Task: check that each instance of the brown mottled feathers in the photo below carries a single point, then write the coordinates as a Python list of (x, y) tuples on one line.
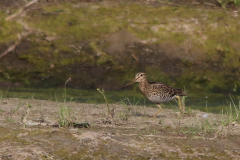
[(167, 89), (157, 92)]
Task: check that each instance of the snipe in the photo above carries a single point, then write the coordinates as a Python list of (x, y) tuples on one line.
[(157, 92)]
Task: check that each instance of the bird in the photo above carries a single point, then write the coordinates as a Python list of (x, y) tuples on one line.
[(157, 92)]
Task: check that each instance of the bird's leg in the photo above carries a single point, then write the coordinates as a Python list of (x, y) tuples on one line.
[(180, 104), (160, 108)]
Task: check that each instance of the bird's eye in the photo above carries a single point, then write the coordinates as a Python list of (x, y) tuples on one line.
[(141, 74)]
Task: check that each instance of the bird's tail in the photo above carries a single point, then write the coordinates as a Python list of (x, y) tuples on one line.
[(180, 92)]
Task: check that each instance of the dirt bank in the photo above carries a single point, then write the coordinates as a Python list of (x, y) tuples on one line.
[(104, 44)]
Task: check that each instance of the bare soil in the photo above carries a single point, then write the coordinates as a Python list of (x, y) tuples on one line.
[(131, 134)]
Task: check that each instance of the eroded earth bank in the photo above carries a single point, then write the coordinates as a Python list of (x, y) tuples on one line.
[(104, 44)]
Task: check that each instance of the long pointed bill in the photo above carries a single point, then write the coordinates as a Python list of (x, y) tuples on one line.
[(129, 83)]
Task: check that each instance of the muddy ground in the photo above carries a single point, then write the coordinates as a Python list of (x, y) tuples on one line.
[(131, 134)]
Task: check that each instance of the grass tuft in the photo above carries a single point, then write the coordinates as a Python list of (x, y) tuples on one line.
[(232, 113), (103, 94), (65, 113)]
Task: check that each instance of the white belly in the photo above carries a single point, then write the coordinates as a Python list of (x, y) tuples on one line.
[(156, 99)]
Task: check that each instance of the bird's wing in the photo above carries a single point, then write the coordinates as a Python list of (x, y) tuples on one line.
[(167, 89)]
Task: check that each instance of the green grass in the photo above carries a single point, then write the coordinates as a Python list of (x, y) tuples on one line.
[(65, 113), (105, 99), (232, 113), (213, 128), (197, 101), (131, 108), (13, 110), (65, 116)]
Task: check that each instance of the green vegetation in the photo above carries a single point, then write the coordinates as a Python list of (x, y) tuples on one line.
[(130, 109), (232, 112), (225, 2), (214, 128), (13, 111), (105, 99), (65, 113), (9, 30), (65, 116)]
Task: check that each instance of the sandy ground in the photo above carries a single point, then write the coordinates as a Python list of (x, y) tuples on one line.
[(131, 134)]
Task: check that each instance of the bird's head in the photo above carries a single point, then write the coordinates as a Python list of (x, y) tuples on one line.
[(138, 78)]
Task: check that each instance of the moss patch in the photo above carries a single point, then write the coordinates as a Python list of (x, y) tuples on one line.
[(8, 29)]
